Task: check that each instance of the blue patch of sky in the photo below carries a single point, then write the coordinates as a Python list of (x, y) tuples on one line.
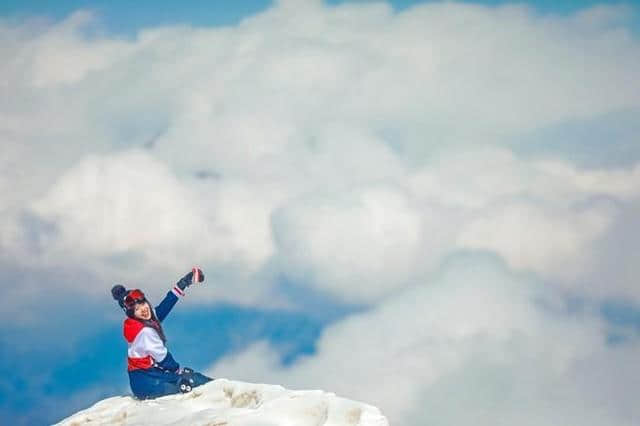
[(315, 303), (608, 140), (621, 317), (624, 318), (127, 17), (622, 313)]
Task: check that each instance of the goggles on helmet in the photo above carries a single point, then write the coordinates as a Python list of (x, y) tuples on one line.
[(134, 297)]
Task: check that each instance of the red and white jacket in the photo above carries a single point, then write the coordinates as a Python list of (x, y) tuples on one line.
[(145, 347)]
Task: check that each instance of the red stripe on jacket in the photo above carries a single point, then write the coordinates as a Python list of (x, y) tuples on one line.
[(139, 363)]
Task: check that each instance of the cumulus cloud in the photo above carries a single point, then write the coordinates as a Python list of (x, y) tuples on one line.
[(546, 240), (359, 248), (475, 344), (346, 145)]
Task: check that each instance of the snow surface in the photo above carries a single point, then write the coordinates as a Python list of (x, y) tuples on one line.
[(230, 403)]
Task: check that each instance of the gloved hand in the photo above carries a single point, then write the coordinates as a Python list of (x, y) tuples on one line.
[(189, 279), (184, 370)]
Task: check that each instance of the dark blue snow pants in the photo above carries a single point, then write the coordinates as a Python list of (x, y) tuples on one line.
[(154, 382)]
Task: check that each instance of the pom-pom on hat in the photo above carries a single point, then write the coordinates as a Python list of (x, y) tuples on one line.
[(119, 293)]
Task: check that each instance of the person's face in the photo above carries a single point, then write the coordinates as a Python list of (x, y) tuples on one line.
[(142, 311)]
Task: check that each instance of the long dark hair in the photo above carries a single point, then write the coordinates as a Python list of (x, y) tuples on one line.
[(155, 324)]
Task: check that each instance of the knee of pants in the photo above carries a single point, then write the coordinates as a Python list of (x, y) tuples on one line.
[(200, 379)]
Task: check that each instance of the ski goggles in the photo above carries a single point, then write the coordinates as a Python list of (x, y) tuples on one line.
[(134, 297)]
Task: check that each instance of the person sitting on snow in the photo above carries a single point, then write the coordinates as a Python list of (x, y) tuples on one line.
[(152, 370)]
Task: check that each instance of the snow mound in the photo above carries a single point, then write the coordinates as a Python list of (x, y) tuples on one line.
[(230, 403)]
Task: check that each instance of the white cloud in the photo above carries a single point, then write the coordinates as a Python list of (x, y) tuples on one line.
[(359, 247), (543, 216), (112, 204), (474, 345), (355, 134), (552, 242), (128, 211)]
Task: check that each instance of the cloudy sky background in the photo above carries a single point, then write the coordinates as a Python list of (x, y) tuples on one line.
[(430, 207)]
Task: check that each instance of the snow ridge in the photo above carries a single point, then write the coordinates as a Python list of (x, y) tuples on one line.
[(231, 403)]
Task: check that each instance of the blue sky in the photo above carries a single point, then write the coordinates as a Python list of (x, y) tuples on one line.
[(127, 17), (388, 164), (123, 17)]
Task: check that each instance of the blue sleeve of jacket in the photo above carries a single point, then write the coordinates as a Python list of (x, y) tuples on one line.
[(163, 309), (168, 363)]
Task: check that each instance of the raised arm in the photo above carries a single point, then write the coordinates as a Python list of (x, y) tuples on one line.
[(163, 309)]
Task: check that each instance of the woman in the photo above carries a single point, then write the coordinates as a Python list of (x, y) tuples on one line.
[(152, 370)]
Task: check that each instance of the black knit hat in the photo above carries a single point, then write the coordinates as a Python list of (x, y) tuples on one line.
[(119, 293)]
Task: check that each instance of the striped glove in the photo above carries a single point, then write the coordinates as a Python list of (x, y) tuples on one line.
[(195, 276)]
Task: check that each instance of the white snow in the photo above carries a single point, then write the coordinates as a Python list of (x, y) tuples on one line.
[(230, 403)]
